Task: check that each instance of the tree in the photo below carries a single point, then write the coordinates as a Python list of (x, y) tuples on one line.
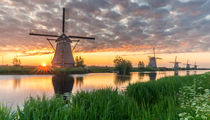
[(16, 61), (141, 64), (123, 66), (79, 61)]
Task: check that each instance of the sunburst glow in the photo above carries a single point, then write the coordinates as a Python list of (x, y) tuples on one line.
[(43, 64)]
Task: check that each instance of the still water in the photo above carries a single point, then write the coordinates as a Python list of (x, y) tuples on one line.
[(14, 89)]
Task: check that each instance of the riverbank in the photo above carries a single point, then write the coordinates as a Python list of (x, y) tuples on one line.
[(167, 98), (10, 70)]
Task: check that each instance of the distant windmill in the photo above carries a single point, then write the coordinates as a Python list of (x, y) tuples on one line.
[(152, 60), (63, 53), (176, 64), (195, 66), (187, 65)]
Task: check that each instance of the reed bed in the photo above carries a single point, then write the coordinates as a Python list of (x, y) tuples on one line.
[(160, 99)]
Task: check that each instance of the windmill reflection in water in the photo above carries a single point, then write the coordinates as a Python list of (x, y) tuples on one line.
[(151, 75)]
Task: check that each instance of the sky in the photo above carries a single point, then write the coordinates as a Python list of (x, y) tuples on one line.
[(128, 28)]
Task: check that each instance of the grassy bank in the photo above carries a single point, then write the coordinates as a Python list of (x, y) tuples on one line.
[(170, 98), (161, 99), (136, 69), (49, 70), (77, 70)]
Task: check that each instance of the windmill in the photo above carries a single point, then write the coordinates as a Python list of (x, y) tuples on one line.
[(187, 65), (176, 64), (195, 66), (152, 60), (63, 56)]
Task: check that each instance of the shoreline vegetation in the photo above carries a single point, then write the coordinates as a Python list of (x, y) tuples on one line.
[(169, 98), (10, 70)]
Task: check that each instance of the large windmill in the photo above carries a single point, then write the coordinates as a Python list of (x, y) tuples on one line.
[(176, 64), (63, 53), (187, 65), (152, 60)]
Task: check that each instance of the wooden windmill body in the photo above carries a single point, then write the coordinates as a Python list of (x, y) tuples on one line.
[(176, 64), (152, 60), (187, 65), (63, 56), (195, 66)]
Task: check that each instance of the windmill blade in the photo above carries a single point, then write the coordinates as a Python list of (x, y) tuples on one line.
[(80, 37), (187, 64), (154, 51), (43, 35), (63, 26), (74, 40), (158, 58), (51, 44), (175, 62), (75, 45), (51, 39)]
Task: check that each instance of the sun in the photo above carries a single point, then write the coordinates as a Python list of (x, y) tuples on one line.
[(43, 69), (43, 64)]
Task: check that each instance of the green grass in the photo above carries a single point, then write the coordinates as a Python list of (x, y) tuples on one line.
[(6, 113), (101, 104), (164, 99), (15, 70), (100, 69), (37, 70), (159, 99)]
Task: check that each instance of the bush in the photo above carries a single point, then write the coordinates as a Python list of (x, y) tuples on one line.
[(79, 62), (123, 66)]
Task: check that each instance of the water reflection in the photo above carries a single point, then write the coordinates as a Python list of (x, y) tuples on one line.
[(148, 76), (187, 72), (16, 82), (14, 89), (141, 76), (62, 84), (152, 76), (195, 72), (79, 81), (176, 73), (120, 79)]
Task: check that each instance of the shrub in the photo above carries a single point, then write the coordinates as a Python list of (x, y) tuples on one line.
[(123, 66), (79, 62)]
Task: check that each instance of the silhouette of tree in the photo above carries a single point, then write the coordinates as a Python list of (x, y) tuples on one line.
[(141, 64), (79, 61), (16, 61), (122, 66)]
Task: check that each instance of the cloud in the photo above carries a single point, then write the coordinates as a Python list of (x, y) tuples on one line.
[(35, 52), (118, 25)]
